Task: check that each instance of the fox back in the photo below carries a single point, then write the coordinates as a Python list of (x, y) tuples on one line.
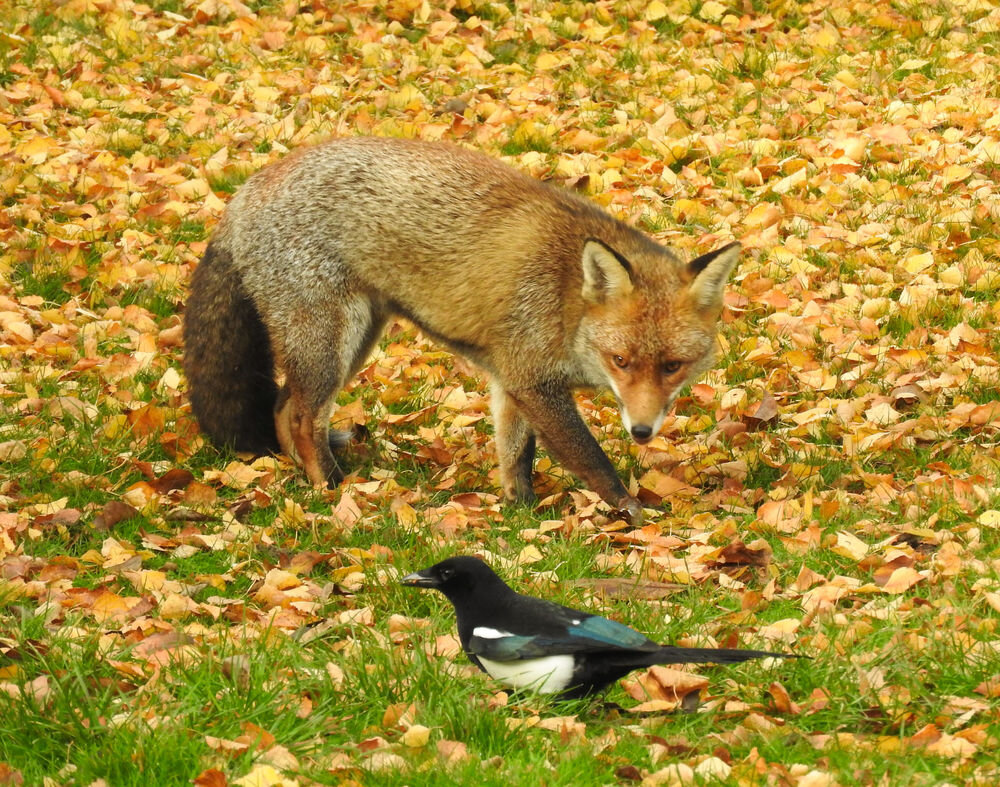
[(540, 287)]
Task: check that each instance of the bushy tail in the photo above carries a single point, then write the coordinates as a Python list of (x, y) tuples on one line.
[(227, 358), (668, 655)]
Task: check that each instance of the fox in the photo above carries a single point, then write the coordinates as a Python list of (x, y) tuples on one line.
[(537, 285)]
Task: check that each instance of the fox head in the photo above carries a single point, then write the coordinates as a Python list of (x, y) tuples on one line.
[(649, 326)]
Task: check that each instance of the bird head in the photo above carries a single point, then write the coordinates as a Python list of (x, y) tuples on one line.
[(456, 577)]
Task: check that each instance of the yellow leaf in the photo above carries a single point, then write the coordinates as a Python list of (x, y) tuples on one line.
[(407, 97), (108, 605), (882, 414), (990, 518), (416, 736), (952, 276), (177, 606), (195, 189), (826, 38), (14, 324), (281, 580), (655, 10), (850, 546), (712, 11), (913, 64), (547, 61), (763, 215), (847, 79), (918, 262), (789, 182), (955, 173), (530, 554), (265, 776), (689, 210)]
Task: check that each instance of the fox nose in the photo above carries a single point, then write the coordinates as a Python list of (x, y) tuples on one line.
[(641, 432)]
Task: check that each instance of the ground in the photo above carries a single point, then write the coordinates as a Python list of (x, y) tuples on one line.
[(172, 612)]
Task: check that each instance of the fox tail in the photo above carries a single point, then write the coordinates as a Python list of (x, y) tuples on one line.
[(228, 358)]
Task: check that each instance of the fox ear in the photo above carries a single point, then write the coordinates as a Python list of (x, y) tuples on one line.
[(606, 274), (710, 272)]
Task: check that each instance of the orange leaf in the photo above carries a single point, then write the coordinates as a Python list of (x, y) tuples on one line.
[(211, 778)]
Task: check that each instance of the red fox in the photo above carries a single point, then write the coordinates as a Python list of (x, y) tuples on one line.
[(539, 287)]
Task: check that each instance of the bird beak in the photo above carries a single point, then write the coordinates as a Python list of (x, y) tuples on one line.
[(419, 580)]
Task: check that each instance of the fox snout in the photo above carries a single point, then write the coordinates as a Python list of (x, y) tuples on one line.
[(645, 430), (642, 420), (641, 433)]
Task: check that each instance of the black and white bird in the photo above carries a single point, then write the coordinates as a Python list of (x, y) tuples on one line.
[(530, 643)]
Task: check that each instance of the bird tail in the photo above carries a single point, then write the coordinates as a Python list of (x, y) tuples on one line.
[(670, 655)]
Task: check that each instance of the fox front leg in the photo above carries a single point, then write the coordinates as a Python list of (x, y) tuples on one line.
[(552, 412), (515, 443)]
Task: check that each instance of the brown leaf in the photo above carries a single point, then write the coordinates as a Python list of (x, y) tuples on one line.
[(113, 512), (255, 737), (10, 776), (237, 668), (211, 778), (655, 485), (739, 554), (227, 747), (303, 562), (621, 588), (989, 687), (901, 580), (199, 494), (401, 714), (12, 450), (175, 478), (185, 514), (906, 396), (780, 699), (147, 420), (765, 412), (665, 683), (452, 751)]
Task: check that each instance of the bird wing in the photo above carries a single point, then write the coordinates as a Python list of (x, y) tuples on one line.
[(595, 630), (510, 647), (555, 630)]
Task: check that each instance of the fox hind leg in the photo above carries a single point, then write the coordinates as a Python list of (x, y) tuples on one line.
[(515, 441), (318, 358)]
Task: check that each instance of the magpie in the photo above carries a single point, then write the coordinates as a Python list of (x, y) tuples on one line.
[(531, 643)]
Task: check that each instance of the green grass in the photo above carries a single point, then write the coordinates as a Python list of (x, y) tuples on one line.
[(134, 674)]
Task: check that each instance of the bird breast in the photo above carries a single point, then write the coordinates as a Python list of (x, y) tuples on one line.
[(546, 675)]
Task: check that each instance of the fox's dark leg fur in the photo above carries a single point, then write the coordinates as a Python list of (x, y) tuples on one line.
[(552, 412), (515, 443), (227, 358)]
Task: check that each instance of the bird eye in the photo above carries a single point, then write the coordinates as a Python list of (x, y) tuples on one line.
[(670, 367), (620, 361), (446, 573)]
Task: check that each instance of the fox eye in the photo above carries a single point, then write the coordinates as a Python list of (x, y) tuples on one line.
[(620, 361), (672, 366)]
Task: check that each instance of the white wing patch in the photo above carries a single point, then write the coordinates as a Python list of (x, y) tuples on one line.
[(546, 675), (485, 632)]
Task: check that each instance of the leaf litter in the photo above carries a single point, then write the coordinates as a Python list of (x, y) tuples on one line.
[(831, 486)]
